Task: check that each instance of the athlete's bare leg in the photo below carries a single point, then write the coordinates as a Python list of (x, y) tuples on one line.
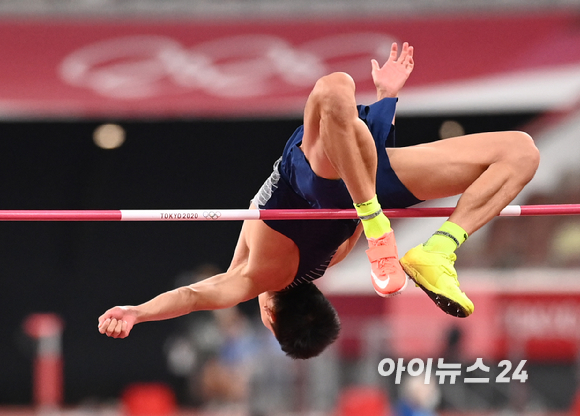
[(488, 169), (336, 142)]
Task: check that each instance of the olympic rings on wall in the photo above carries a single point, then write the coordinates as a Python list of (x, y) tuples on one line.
[(240, 66)]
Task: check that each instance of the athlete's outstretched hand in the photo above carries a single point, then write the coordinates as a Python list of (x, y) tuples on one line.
[(117, 322), (390, 78)]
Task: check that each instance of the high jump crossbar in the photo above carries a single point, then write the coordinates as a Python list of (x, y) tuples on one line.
[(262, 214)]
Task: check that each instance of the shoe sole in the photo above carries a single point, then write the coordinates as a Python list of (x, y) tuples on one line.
[(449, 306), (390, 295)]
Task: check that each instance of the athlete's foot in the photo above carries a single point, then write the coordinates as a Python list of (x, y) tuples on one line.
[(387, 275), (435, 274)]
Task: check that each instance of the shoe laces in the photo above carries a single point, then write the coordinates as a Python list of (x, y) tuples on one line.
[(450, 269), (452, 257), (384, 263), (387, 266)]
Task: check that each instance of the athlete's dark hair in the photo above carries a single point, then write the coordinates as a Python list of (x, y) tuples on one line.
[(305, 322)]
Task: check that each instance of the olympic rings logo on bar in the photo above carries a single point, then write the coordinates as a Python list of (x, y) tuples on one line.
[(212, 215), (252, 65)]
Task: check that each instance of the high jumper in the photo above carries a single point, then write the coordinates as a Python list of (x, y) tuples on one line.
[(344, 154)]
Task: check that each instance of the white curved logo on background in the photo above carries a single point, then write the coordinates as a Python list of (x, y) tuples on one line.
[(230, 67)]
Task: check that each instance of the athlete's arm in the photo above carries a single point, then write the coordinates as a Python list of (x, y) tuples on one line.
[(217, 292), (346, 247), (270, 258), (221, 291)]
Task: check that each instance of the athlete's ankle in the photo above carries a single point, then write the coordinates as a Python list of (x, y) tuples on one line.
[(375, 223), (446, 239)]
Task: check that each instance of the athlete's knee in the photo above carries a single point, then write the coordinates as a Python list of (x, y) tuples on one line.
[(523, 154), (528, 153), (336, 80), (334, 94)]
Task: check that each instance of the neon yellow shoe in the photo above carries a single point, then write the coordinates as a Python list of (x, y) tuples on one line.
[(435, 274)]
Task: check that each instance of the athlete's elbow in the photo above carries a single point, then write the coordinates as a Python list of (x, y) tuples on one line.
[(189, 297)]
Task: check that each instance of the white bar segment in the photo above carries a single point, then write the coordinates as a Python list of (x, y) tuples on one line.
[(511, 211), (190, 215)]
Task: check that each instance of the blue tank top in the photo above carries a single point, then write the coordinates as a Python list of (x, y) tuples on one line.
[(293, 185)]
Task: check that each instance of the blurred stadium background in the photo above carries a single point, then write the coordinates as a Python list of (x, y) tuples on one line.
[(144, 104)]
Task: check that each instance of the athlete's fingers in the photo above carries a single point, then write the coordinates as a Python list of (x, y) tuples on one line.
[(103, 325), (117, 329), (404, 53), (394, 52), (108, 314), (375, 65), (409, 62), (110, 329), (124, 330)]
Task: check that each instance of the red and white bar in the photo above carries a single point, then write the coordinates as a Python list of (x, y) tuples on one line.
[(253, 214)]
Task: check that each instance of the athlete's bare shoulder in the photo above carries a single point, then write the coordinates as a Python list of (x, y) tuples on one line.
[(266, 255)]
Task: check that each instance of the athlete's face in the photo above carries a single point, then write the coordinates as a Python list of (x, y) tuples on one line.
[(266, 302)]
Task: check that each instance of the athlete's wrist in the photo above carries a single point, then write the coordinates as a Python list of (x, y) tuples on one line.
[(386, 93), (136, 312)]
